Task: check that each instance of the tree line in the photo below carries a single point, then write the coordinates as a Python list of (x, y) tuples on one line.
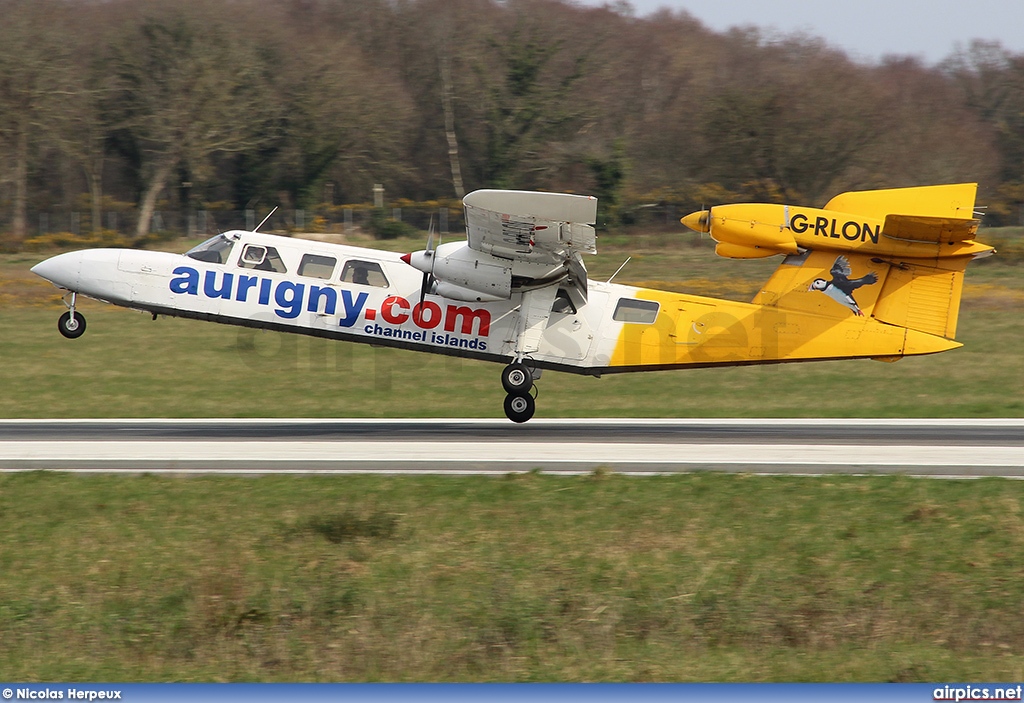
[(306, 103)]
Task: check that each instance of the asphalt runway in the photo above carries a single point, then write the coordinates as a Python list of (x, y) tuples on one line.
[(947, 448)]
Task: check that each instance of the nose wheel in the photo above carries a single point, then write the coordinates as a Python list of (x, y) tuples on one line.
[(71, 324), (517, 380)]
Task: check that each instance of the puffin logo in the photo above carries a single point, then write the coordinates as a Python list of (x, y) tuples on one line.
[(841, 287)]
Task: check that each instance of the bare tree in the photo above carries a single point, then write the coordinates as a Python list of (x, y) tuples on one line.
[(84, 119), (33, 74), (248, 99), (448, 107), (189, 86), (991, 81)]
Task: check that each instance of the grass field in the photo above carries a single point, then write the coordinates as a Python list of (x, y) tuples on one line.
[(704, 577), (701, 577)]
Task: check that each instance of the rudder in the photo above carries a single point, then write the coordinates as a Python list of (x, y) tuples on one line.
[(923, 296)]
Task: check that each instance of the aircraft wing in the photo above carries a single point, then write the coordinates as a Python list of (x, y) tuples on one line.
[(545, 236), (541, 228)]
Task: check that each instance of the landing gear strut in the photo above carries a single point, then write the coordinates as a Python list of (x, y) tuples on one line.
[(517, 380), (71, 324)]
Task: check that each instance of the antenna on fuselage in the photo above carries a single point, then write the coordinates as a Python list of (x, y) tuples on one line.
[(619, 269), (265, 219)]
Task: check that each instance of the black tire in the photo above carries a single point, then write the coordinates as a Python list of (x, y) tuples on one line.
[(519, 408), (516, 379), (71, 329)]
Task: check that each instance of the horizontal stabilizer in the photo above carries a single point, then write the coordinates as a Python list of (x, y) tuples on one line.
[(919, 228)]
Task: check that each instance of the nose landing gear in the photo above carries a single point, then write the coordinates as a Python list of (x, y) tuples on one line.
[(517, 380), (71, 324)]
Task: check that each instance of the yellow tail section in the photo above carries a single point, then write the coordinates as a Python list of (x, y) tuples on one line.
[(917, 295), (914, 282), (954, 201), (916, 223), (873, 274), (923, 297)]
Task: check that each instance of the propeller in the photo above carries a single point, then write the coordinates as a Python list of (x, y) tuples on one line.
[(424, 261), (699, 221)]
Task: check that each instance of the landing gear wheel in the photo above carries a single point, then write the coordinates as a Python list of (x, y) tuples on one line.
[(71, 326), (519, 408), (516, 379)]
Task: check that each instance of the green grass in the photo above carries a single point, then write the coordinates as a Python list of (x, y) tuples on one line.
[(126, 365), (703, 577)]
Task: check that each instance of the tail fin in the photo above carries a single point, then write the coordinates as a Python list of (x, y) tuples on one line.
[(923, 296), (915, 294), (954, 201), (911, 277)]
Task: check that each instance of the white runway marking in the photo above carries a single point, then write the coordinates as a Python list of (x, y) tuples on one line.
[(462, 447), (596, 453), (423, 456)]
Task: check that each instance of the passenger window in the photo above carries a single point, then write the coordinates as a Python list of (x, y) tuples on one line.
[(365, 273), (644, 312), (261, 258), (316, 266)]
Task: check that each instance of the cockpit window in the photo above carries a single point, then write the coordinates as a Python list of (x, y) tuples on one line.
[(214, 250), (261, 258), (365, 273), (644, 312)]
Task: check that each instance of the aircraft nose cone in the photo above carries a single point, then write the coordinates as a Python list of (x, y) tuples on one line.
[(699, 221), (407, 258), (62, 270)]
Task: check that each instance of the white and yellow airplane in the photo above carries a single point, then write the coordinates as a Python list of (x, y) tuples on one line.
[(874, 274)]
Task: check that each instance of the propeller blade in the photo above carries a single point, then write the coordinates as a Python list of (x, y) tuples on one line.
[(425, 286), (430, 235), (424, 262)]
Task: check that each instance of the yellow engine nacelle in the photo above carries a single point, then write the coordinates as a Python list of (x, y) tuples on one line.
[(747, 231), (920, 222)]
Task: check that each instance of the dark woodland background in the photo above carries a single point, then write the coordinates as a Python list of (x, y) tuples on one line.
[(137, 107)]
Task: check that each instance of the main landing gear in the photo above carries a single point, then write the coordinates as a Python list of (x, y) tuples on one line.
[(71, 324), (517, 380)]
